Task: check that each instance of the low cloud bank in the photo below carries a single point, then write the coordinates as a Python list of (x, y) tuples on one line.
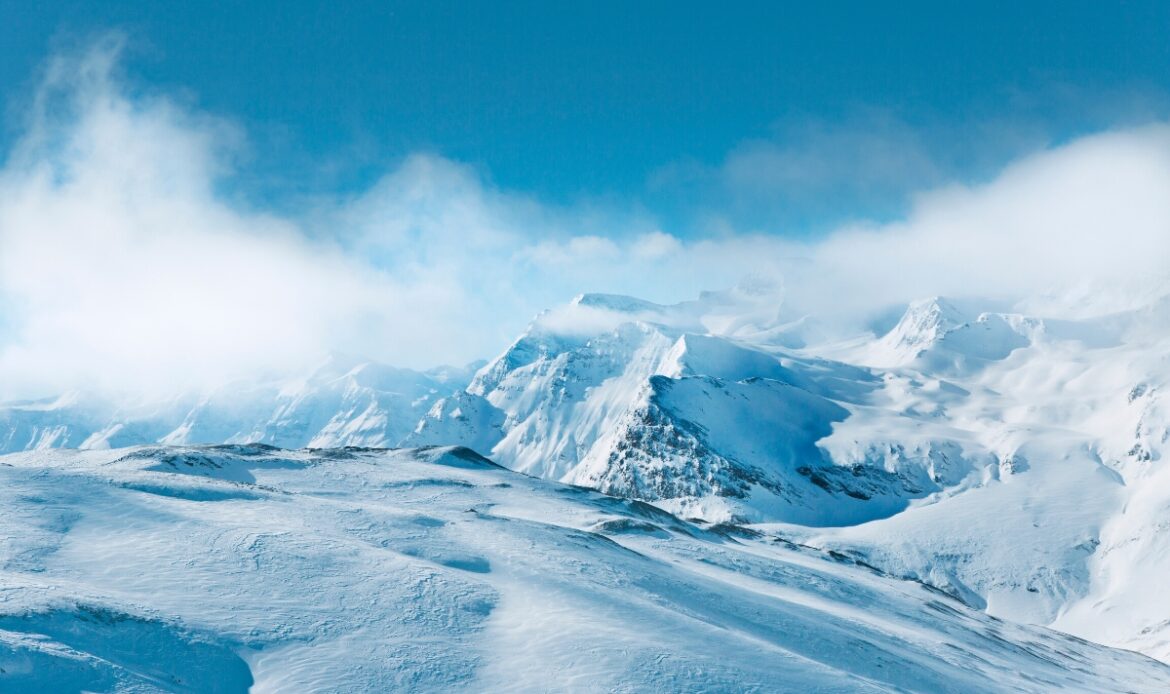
[(123, 267)]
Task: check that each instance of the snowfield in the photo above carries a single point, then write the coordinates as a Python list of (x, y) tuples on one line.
[(219, 569)]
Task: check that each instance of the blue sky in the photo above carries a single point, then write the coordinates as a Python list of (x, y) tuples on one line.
[(193, 192), (639, 103)]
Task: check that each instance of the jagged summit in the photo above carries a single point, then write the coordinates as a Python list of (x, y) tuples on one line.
[(944, 335), (924, 324)]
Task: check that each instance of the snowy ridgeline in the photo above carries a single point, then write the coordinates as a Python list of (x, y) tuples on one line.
[(1013, 462), (222, 568), (718, 408)]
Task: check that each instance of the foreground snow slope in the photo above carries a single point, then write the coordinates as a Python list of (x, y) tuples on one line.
[(224, 568)]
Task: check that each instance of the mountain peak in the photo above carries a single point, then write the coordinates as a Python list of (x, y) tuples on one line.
[(925, 322)]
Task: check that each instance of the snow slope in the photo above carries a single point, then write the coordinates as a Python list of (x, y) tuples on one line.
[(248, 567)]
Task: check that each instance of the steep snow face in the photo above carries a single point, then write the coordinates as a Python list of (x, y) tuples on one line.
[(682, 445), (560, 403), (249, 568), (717, 449)]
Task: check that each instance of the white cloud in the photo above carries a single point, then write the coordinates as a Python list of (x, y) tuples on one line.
[(121, 268), (654, 245), (1095, 213)]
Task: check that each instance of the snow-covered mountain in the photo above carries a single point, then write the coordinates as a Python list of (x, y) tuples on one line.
[(720, 418), (343, 402), (1012, 461), (675, 405), (248, 568)]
